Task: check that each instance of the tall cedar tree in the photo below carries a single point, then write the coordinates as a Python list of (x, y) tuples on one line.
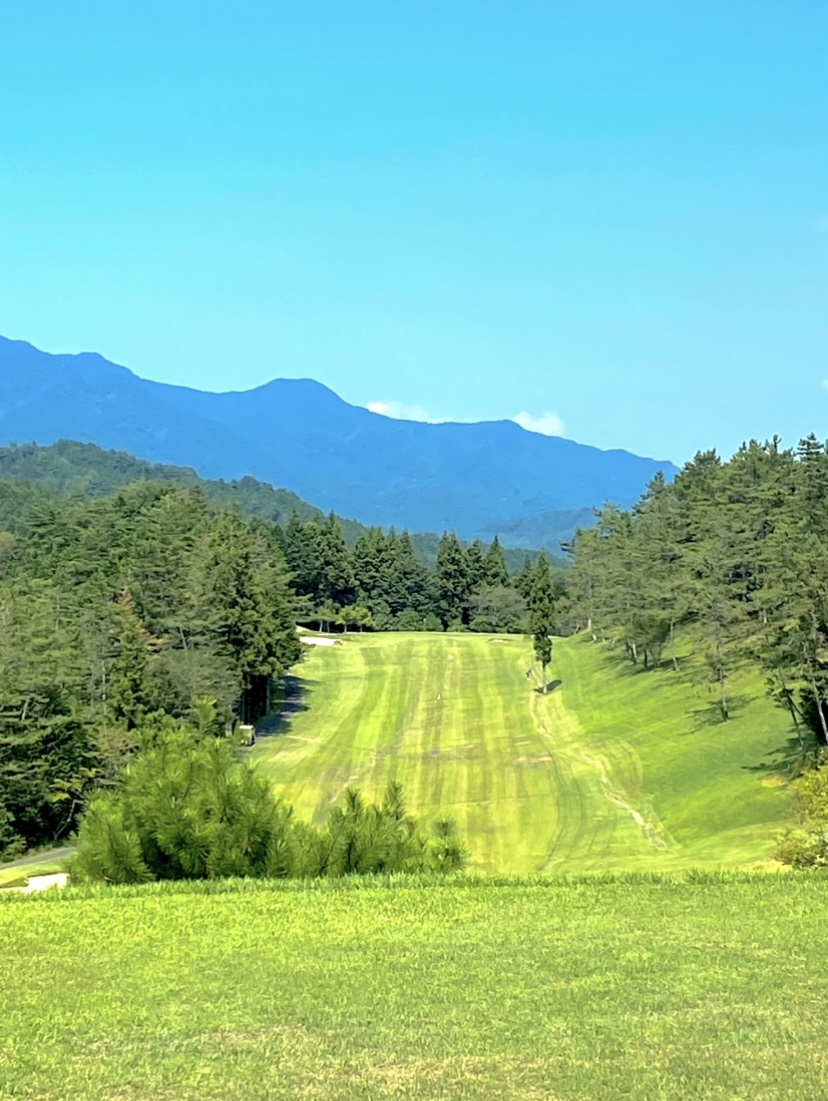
[(542, 610)]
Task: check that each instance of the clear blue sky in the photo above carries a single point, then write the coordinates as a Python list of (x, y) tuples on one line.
[(616, 214)]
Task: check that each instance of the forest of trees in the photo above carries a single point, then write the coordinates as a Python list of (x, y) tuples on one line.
[(383, 584), (736, 549), (121, 612), (113, 613), (70, 468)]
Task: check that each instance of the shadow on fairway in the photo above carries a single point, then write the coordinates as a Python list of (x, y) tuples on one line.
[(553, 684), (786, 761), (297, 690), (701, 718)]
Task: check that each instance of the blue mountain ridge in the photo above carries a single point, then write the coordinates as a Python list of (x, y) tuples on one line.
[(478, 479)]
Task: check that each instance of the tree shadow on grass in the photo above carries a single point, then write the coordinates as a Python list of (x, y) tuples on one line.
[(553, 684), (295, 694), (785, 762), (710, 714)]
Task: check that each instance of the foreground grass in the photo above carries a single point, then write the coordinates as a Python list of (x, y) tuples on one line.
[(614, 770), (643, 988)]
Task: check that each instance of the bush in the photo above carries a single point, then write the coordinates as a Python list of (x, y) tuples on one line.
[(807, 847), (188, 809), (803, 848), (362, 838)]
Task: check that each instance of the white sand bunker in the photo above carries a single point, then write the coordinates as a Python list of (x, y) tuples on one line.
[(42, 883), (309, 640)]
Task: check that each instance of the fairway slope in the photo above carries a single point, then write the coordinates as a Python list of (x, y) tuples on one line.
[(612, 770)]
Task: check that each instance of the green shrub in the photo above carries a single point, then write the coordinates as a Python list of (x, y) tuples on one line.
[(187, 808), (362, 838), (807, 847)]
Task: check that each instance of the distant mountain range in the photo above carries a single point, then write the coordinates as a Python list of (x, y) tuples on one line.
[(477, 479)]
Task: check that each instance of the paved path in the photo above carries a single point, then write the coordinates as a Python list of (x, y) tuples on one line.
[(40, 858)]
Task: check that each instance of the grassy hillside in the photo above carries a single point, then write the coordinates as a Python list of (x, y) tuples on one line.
[(592, 990), (614, 770)]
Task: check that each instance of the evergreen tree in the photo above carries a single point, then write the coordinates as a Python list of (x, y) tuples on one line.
[(453, 583), (542, 610), (335, 576), (495, 569), (475, 565)]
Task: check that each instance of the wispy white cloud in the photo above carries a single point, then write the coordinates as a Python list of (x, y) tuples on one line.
[(398, 411), (547, 424)]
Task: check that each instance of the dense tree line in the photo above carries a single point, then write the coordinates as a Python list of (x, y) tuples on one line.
[(69, 468), (740, 550), (384, 585), (116, 612)]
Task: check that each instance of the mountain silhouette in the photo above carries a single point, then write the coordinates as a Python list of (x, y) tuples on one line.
[(477, 479)]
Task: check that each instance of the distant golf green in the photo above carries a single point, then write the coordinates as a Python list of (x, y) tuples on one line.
[(614, 769)]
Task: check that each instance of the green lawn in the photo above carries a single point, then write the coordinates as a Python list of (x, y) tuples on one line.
[(616, 769), (646, 989)]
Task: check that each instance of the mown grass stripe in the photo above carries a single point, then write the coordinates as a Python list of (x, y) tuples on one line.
[(551, 782)]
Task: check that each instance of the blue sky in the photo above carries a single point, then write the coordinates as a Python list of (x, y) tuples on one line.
[(610, 218)]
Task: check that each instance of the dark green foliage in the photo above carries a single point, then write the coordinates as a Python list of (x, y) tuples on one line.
[(542, 615), (498, 608), (113, 612), (188, 809), (454, 582), (45, 757), (85, 470), (362, 838), (494, 566)]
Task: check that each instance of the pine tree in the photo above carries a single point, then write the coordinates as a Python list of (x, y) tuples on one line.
[(475, 565), (128, 694), (335, 575)]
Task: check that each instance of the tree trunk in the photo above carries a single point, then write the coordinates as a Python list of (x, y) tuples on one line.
[(723, 704), (817, 698)]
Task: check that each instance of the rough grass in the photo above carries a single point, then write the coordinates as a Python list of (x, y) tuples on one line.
[(704, 987), (616, 769)]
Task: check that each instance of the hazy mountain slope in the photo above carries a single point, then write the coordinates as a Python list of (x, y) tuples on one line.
[(69, 468), (481, 479)]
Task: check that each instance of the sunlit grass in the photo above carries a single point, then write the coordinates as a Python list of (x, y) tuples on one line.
[(708, 987), (615, 769)]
